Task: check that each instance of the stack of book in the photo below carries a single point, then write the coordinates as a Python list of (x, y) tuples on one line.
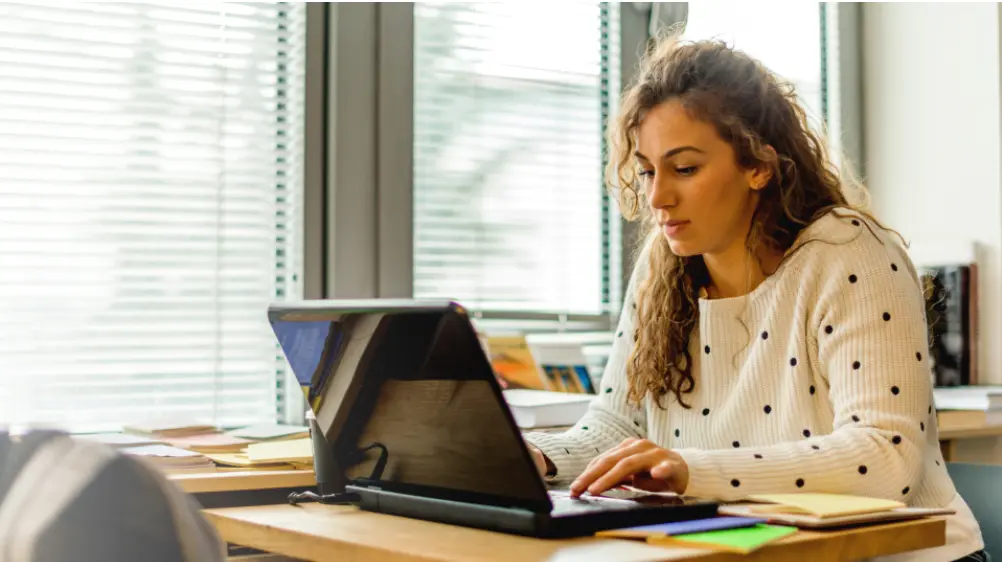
[(186, 447), (962, 407)]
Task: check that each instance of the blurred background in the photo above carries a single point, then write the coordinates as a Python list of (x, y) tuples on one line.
[(169, 169)]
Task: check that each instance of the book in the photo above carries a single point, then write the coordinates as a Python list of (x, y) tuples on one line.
[(681, 527), (950, 292), (209, 443), (543, 408), (742, 540), (958, 419), (291, 451), (821, 505), (814, 522), (514, 363), (270, 432), (168, 428), (968, 397), (242, 461), (171, 459)]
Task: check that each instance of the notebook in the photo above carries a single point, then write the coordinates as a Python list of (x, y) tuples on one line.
[(821, 505), (209, 443), (270, 432), (821, 511), (742, 540), (294, 451), (681, 527)]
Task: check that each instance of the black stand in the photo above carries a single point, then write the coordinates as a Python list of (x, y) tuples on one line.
[(330, 476)]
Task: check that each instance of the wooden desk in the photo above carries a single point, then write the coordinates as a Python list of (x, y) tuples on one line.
[(949, 435), (318, 532)]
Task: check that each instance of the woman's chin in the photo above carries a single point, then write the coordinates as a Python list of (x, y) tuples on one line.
[(680, 248)]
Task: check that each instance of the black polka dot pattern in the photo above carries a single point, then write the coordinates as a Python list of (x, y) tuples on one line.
[(855, 418), (815, 447), (706, 411), (767, 409), (894, 267), (735, 482), (905, 491), (853, 278), (608, 390), (735, 444), (793, 361), (918, 355), (706, 349), (758, 456), (895, 390), (584, 427), (678, 433), (887, 317), (829, 329), (566, 451), (800, 482), (896, 439), (855, 222), (937, 463), (862, 469), (765, 335), (807, 433), (620, 334), (856, 365), (812, 390), (922, 426)]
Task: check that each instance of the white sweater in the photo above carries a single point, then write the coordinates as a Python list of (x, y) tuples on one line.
[(817, 381)]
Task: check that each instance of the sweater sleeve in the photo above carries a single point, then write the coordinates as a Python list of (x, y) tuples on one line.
[(869, 330), (610, 418)]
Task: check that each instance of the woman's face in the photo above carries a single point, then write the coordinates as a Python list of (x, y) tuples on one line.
[(700, 197)]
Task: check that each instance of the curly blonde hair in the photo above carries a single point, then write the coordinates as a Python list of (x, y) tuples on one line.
[(752, 110)]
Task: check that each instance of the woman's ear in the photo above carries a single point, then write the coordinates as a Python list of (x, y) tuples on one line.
[(759, 177)]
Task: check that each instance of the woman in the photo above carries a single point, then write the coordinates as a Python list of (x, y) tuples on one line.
[(773, 336)]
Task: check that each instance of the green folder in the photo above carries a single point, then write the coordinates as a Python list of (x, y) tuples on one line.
[(742, 540)]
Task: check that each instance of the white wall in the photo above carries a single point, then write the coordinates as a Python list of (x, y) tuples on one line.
[(932, 130)]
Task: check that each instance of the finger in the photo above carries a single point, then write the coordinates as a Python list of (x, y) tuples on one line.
[(663, 471), (650, 484), (625, 469), (631, 441), (603, 463)]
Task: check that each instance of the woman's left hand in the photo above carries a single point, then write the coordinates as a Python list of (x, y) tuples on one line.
[(637, 462)]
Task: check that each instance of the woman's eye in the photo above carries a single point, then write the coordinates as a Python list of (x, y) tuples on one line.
[(685, 170), (646, 174)]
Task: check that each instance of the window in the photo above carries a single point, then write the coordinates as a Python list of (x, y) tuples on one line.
[(510, 213), (150, 156), (785, 37)]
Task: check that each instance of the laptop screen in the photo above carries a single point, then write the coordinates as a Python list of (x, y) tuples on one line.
[(427, 394)]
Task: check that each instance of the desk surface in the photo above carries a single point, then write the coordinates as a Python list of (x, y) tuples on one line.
[(199, 483), (318, 532)]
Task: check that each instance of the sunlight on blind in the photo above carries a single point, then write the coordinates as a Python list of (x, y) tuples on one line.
[(150, 156), (785, 36), (508, 198)]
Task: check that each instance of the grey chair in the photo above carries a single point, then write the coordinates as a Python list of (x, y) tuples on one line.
[(981, 487)]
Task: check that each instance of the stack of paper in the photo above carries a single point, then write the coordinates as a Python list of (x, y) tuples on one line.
[(209, 443), (818, 511), (169, 428), (271, 432), (172, 459), (120, 440), (297, 451), (543, 408)]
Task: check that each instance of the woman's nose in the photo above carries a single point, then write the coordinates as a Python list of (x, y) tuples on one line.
[(661, 194)]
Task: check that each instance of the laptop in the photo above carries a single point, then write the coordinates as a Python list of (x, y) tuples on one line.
[(415, 418)]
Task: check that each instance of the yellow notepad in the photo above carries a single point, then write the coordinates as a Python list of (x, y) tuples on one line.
[(292, 451), (820, 505)]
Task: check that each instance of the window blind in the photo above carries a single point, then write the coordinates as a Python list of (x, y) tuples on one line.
[(509, 208), (150, 158)]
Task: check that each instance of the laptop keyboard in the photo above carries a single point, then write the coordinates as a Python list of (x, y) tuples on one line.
[(564, 503)]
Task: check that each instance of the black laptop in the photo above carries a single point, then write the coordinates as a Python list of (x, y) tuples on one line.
[(409, 404)]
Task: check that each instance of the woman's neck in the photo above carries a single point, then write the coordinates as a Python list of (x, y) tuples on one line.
[(737, 271)]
